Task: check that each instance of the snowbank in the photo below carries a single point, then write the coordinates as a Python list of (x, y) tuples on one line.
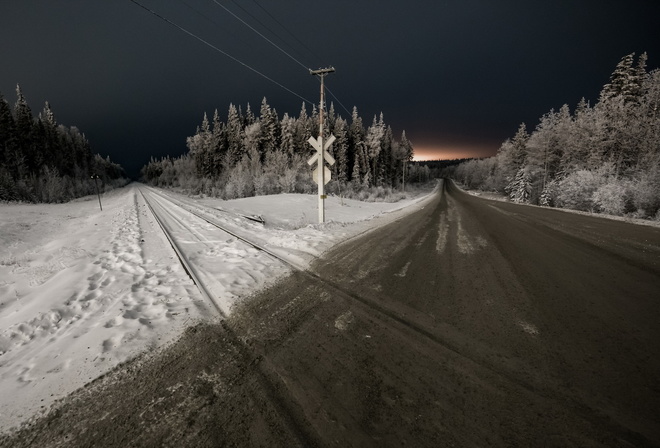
[(82, 290)]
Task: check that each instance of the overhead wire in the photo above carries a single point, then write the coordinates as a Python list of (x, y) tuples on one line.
[(337, 99), (302, 44), (260, 34), (272, 43), (284, 41), (219, 50), (199, 13)]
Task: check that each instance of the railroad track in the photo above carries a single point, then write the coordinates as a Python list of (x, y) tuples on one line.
[(271, 378), (312, 276), (379, 309)]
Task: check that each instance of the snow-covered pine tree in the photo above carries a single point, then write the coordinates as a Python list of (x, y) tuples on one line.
[(355, 140), (406, 147), (386, 171), (269, 128), (288, 135), (218, 144), (249, 117), (341, 145), (520, 188), (626, 79), (330, 119), (303, 131), (234, 137), (7, 133), (356, 177), (373, 141), (23, 125), (519, 146)]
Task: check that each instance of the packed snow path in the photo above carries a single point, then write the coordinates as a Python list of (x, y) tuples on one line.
[(83, 290)]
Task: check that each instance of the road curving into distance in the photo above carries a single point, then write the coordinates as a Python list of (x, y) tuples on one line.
[(467, 323)]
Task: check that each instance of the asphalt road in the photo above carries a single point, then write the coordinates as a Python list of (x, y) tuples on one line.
[(467, 323)]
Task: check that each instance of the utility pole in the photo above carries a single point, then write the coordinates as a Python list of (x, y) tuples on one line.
[(321, 174)]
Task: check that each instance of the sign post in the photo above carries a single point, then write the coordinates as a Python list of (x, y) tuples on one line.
[(321, 174), (96, 182)]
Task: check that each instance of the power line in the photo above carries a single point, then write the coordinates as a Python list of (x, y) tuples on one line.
[(314, 56), (199, 13), (267, 39), (219, 50), (272, 31), (340, 103), (271, 42)]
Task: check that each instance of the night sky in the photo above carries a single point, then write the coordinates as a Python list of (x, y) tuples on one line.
[(458, 76)]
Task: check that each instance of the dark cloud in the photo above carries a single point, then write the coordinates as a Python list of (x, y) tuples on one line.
[(456, 75)]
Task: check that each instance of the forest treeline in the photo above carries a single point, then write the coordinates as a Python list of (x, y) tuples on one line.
[(258, 155), (603, 158), (42, 161)]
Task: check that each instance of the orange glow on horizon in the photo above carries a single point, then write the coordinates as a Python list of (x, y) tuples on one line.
[(421, 153)]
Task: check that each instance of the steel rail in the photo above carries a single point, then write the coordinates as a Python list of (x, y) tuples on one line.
[(187, 266)]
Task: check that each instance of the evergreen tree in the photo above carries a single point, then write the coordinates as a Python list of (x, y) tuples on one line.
[(218, 144), (406, 147), (355, 140), (373, 141), (303, 131), (272, 154), (356, 177), (269, 128), (520, 187), (331, 119), (387, 168), (23, 124), (341, 143), (603, 158), (43, 161), (626, 80), (288, 135), (234, 137), (249, 117), (7, 133)]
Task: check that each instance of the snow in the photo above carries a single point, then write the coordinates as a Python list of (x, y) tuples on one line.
[(83, 290)]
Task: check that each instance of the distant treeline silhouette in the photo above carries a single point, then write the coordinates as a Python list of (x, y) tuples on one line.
[(42, 161)]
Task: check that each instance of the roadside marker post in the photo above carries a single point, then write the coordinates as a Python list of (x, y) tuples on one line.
[(96, 182), (321, 173)]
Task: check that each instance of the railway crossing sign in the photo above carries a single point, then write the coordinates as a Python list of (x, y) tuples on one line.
[(321, 153), (320, 156), (326, 175), (321, 174)]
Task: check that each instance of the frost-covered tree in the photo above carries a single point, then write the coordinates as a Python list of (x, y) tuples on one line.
[(234, 137), (7, 132), (273, 154), (42, 161), (603, 158), (341, 151), (374, 142), (520, 188), (270, 128), (623, 81)]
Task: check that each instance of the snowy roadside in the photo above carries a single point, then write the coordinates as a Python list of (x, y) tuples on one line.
[(83, 290), (494, 196)]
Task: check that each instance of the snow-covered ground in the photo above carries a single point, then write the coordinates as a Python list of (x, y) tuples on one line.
[(82, 290), (494, 196)]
